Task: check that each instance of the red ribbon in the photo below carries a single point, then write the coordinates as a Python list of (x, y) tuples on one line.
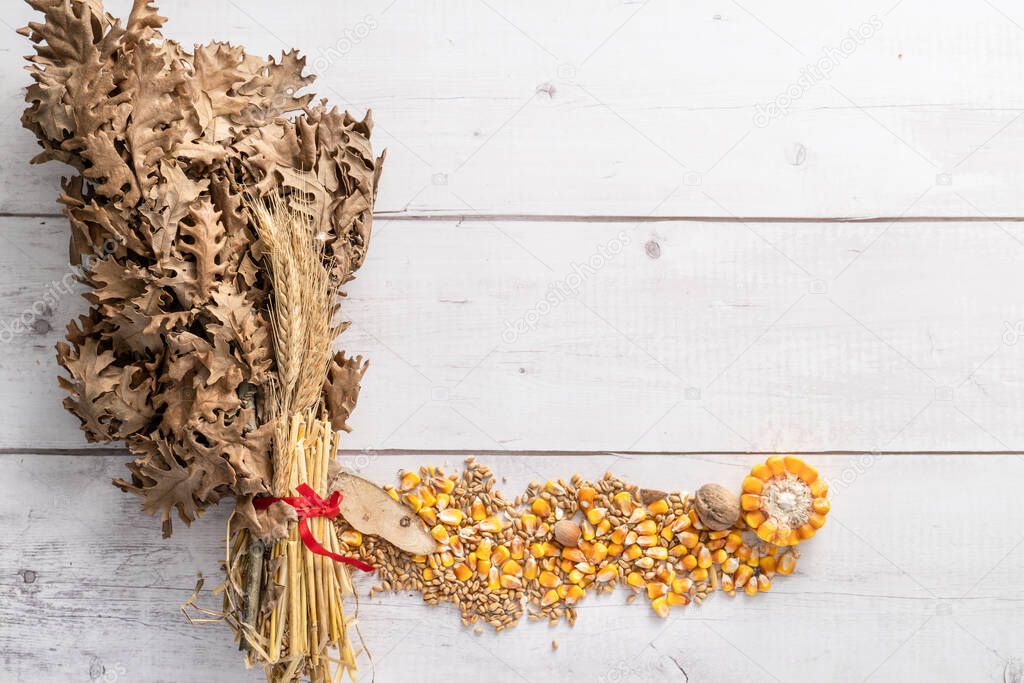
[(309, 504)]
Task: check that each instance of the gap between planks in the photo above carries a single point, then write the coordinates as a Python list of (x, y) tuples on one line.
[(586, 218), (484, 453)]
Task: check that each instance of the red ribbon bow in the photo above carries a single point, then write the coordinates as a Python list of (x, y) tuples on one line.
[(309, 504)]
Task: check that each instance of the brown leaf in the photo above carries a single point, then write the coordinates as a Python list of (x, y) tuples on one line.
[(370, 510), (341, 390)]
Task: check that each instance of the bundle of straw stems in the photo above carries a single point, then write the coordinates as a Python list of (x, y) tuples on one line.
[(307, 633), (304, 632)]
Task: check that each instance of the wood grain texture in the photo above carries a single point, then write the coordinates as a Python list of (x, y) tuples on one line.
[(88, 586), (609, 336), (634, 109)]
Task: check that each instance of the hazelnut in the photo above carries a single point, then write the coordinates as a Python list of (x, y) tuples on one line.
[(567, 532), (717, 507)]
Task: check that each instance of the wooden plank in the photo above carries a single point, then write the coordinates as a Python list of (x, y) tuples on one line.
[(610, 336), (637, 109), (909, 568)]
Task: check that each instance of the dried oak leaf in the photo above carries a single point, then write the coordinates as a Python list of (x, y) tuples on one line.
[(204, 239), (341, 390), (93, 375), (165, 481)]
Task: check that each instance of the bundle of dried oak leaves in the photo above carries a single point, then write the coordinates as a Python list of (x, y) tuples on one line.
[(176, 155)]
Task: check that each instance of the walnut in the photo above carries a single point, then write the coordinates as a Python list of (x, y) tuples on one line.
[(567, 532), (717, 507)]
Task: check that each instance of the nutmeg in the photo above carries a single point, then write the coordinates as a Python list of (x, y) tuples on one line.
[(717, 507), (567, 532)]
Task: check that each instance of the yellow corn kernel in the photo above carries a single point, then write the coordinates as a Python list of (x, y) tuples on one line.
[(624, 502), (549, 580), (658, 507), (462, 572), (428, 515), (681, 523), (451, 516), (426, 494), (409, 481), (647, 541), (656, 589), (573, 594), (530, 569), (752, 485), (516, 548), (733, 541), (719, 556), (491, 524), (742, 575), (550, 598), (821, 506), (635, 579), (512, 568), (575, 576), (585, 567), (596, 515), (660, 606), (645, 562), (477, 511), (510, 582), (413, 501), (667, 534), (763, 582), (817, 521), (750, 502), (619, 535), (634, 551), (493, 579), (665, 574), (755, 558), (730, 565), (809, 475), (689, 539), (743, 552), (500, 554), (647, 527), (703, 558), (603, 527), (761, 471), (806, 531), (597, 553), (444, 484), (699, 574), (529, 521), (638, 515), (540, 507), (607, 573), (819, 489), (390, 490), (484, 548), (767, 564), (483, 567), (443, 501), (786, 564), (614, 550), (690, 562), (678, 550), (631, 537), (682, 585), (419, 559), (750, 588), (440, 534), (777, 465), (555, 487), (587, 531), (585, 497), (726, 582), (658, 552), (447, 559), (766, 532), (428, 574), (677, 600), (718, 535), (563, 591), (353, 539), (537, 549)]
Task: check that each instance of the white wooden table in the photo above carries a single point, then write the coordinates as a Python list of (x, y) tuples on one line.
[(663, 238)]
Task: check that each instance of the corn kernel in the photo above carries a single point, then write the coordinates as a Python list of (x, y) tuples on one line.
[(682, 585), (510, 582), (447, 559), (689, 539), (635, 579), (666, 574), (786, 564), (763, 582), (624, 502), (607, 573), (440, 534), (493, 579), (777, 465), (658, 552), (699, 574), (443, 501), (682, 523), (500, 554), (647, 527), (409, 481), (726, 582), (742, 575), (419, 559), (614, 549), (516, 548), (619, 535), (413, 501), (585, 496), (529, 521), (549, 580), (541, 507), (512, 568), (563, 591), (767, 564), (445, 485), (451, 516), (631, 537), (483, 567), (750, 588), (690, 562), (597, 553), (638, 515), (477, 511), (806, 531), (575, 576), (733, 541), (750, 502), (656, 589), (537, 549), (817, 521), (821, 506), (428, 515), (573, 594), (530, 569), (645, 562), (596, 515), (491, 524), (634, 551), (819, 489), (719, 556), (586, 567), (483, 548), (462, 572), (428, 574), (730, 565), (647, 541), (550, 598), (603, 527), (587, 531), (752, 485), (658, 507), (574, 554), (660, 607), (703, 558), (353, 539), (677, 600), (667, 534)]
